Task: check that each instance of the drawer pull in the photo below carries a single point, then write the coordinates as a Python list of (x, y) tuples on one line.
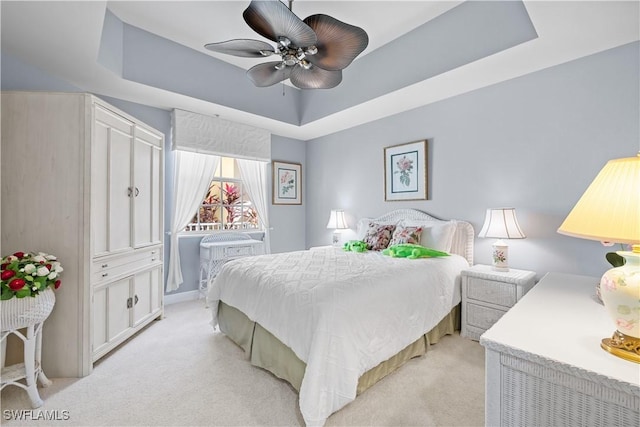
[(105, 274), (105, 265), (153, 259)]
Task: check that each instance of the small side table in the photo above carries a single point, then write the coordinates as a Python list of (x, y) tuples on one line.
[(488, 294), (31, 370)]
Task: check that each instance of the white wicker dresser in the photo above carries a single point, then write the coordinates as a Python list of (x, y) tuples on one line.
[(217, 249), (545, 367)]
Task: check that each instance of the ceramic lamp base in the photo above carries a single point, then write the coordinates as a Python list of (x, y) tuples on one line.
[(500, 256), (335, 239), (623, 346), (620, 291)]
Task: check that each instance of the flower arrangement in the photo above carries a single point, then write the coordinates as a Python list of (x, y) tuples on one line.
[(26, 274)]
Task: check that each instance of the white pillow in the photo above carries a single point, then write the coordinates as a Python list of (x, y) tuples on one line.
[(436, 235), (361, 229)]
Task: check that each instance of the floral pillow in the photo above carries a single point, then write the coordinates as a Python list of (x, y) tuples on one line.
[(378, 236), (403, 235)]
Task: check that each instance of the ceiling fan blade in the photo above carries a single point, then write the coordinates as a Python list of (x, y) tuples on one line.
[(338, 43), (315, 78), (263, 75), (242, 47), (273, 20)]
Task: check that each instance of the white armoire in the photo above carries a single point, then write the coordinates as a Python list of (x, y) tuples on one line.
[(84, 181)]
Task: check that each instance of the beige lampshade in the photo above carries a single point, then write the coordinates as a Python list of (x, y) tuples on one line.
[(337, 220), (609, 210)]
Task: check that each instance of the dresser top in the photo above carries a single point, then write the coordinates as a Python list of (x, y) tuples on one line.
[(561, 322), (247, 242)]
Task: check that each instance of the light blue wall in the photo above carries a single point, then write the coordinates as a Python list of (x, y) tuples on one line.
[(288, 221), (533, 143)]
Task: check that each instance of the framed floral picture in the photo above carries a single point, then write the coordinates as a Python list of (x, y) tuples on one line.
[(405, 171), (287, 183)]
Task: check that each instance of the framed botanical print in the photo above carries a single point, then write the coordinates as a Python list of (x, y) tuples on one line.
[(405, 171), (287, 183)]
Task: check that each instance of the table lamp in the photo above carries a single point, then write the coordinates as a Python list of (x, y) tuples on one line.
[(609, 211), (337, 222), (501, 223)]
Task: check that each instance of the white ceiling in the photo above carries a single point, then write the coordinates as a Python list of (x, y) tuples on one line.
[(63, 38)]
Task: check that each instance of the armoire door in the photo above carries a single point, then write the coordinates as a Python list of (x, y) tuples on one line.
[(111, 182), (142, 297), (111, 313), (147, 176)]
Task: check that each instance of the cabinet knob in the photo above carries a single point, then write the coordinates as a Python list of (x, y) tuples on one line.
[(153, 259), (105, 274), (105, 265)]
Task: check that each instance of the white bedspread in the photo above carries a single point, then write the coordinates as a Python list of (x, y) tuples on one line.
[(342, 313)]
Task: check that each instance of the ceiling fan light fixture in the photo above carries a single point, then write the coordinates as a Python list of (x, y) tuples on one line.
[(320, 45), (289, 59), (284, 42), (311, 50)]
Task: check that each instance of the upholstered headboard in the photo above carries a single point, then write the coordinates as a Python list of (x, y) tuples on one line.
[(463, 238)]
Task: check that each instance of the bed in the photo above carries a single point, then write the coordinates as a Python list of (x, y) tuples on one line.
[(332, 323)]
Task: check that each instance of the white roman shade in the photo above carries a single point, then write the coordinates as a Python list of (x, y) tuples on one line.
[(213, 135)]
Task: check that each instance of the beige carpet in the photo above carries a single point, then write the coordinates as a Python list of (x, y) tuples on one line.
[(178, 372)]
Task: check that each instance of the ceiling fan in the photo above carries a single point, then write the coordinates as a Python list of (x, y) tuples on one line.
[(313, 52)]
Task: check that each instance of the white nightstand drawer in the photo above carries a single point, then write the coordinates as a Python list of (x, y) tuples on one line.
[(482, 317), (498, 293)]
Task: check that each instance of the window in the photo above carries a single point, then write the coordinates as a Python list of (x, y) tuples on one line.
[(226, 206)]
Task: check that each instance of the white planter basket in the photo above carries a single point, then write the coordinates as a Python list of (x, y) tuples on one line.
[(17, 313)]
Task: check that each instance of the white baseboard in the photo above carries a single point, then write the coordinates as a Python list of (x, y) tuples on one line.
[(181, 297)]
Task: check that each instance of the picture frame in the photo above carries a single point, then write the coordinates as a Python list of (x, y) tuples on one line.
[(405, 171), (287, 183)]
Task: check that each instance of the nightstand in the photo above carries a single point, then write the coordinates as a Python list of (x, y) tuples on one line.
[(487, 294)]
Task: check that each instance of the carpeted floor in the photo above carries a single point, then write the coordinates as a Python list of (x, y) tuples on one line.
[(179, 372)]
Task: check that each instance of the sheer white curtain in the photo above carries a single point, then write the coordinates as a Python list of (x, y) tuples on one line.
[(254, 177), (193, 175)]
